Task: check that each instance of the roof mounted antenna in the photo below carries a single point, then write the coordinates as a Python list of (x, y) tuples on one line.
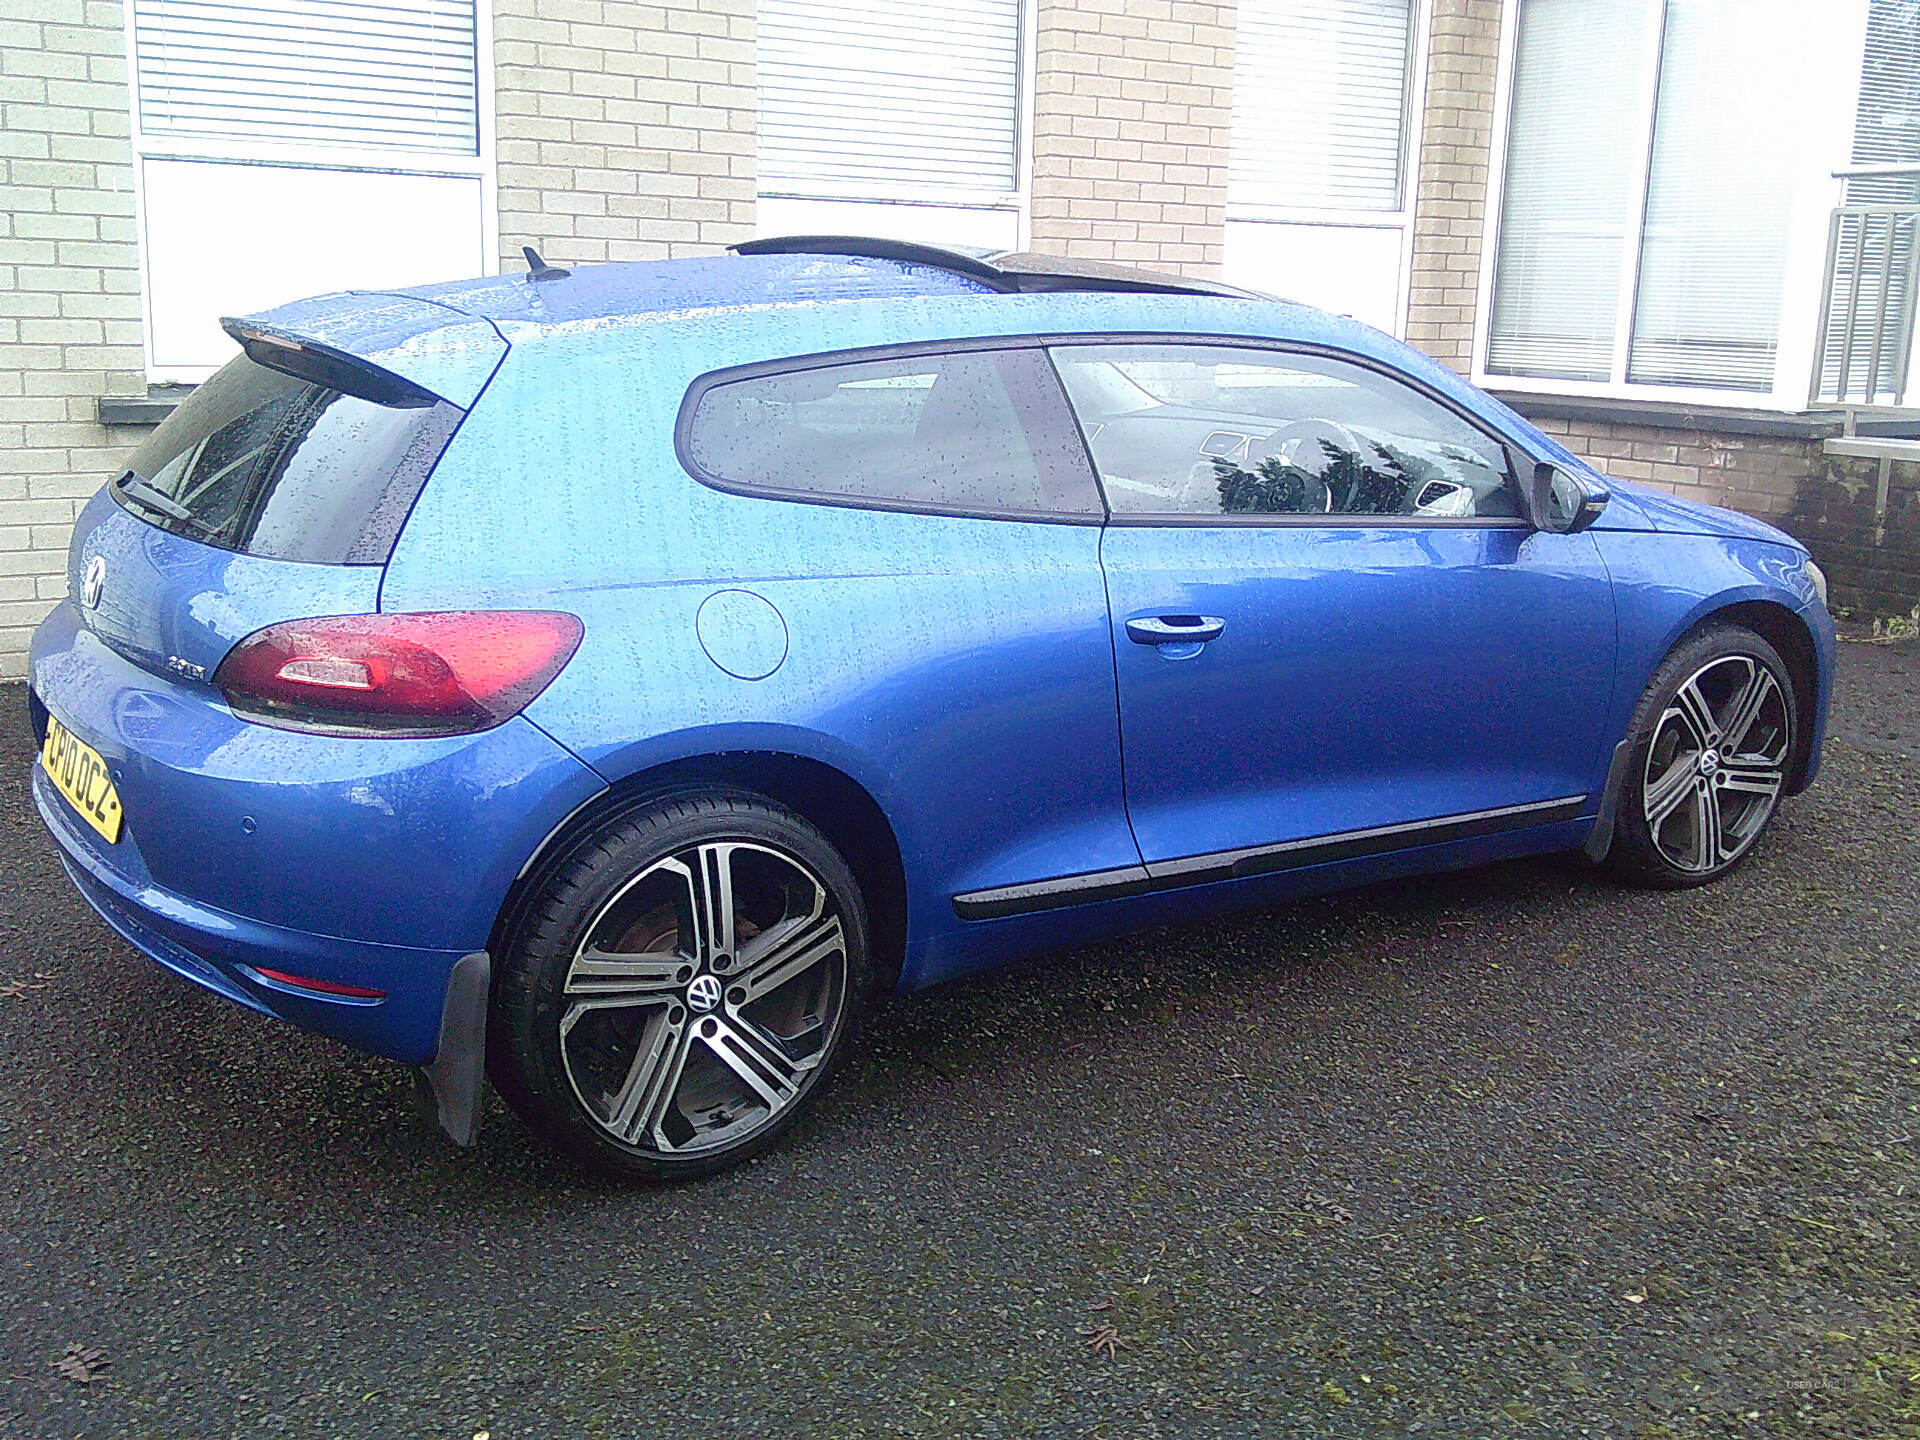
[(538, 269)]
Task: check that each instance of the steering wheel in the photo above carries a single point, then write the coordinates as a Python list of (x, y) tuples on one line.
[(1303, 445)]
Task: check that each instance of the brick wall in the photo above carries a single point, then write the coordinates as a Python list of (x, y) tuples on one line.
[(1861, 520), (1131, 108), (69, 288), (624, 132), (1450, 209), (1759, 474)]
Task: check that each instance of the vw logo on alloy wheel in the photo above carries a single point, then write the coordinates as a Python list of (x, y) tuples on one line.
[(94, 581), (704, 993)]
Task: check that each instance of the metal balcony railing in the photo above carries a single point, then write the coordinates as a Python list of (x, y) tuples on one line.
[(1863, 350)]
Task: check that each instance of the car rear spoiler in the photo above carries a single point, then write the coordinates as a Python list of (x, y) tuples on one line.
[(323, 365), (390, 349)]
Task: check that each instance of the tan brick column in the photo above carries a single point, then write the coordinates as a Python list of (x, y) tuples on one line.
[(69, 289), (1451, 231), (1131, 105), (623, 132)]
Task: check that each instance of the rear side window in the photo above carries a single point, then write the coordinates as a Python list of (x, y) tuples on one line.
[(972, 432), (271, 465)]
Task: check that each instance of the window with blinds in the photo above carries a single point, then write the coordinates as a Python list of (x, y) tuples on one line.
[(1876, 238), (272, 138), (1647, 205), (1320, 104), (397, 74), (1886, 127), (1568, 203), (1713, 246), (886, 94)]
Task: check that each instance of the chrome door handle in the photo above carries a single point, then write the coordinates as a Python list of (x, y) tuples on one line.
[(1174, 629)]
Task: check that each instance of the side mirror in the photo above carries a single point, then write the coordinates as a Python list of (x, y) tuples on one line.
[(1562, 503)]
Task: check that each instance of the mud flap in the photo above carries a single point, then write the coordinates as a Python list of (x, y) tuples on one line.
[(1600, 838), (447, 1092)]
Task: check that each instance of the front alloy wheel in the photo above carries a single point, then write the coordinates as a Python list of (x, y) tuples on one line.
[(682, 994), (1717, 762), (1714, 742)]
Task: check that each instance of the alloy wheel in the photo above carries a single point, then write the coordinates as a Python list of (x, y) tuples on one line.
[(1716, 763), (702, 998)]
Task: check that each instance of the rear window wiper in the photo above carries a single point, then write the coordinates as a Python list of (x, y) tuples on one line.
[(152, 497)]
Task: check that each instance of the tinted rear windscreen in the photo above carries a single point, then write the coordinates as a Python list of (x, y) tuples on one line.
[(275, 466)]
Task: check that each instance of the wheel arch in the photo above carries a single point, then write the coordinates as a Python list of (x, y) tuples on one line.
[(834, 802), (1780, 626)]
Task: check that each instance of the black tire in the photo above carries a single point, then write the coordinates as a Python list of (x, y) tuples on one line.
[(1708, 763), (654, 1053)]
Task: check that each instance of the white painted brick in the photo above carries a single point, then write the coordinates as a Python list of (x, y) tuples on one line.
[(1132, 100), (24, 612), (69, 290), (51, 561), (650, 90)]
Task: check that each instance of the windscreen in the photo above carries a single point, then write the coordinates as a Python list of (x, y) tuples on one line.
[(272, 465)]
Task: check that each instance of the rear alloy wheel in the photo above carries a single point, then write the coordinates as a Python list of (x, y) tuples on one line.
[(683, 992), (1715, 741)]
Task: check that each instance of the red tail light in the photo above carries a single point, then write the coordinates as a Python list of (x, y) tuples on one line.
[(428, 674)]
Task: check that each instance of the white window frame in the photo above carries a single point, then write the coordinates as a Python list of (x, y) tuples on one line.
[(1821, 153), (434, 163), (1018, 201), (1412, 132)]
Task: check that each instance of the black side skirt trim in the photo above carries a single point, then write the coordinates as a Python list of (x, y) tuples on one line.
[(1256, 860)]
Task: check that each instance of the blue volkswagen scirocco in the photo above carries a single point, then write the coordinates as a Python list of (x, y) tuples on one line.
[(612, 682)]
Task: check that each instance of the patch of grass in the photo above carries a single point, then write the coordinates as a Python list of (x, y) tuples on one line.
[(1898, 627)]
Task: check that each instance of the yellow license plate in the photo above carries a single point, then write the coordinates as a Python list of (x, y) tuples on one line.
[(78, 772)]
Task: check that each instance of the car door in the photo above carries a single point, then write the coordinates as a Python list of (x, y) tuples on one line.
[(1331, 622)]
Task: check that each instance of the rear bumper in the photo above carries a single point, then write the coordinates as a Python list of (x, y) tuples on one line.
[(226, 952), (369, 863)]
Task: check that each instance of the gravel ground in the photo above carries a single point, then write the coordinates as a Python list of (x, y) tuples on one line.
[(1504, 1153)]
